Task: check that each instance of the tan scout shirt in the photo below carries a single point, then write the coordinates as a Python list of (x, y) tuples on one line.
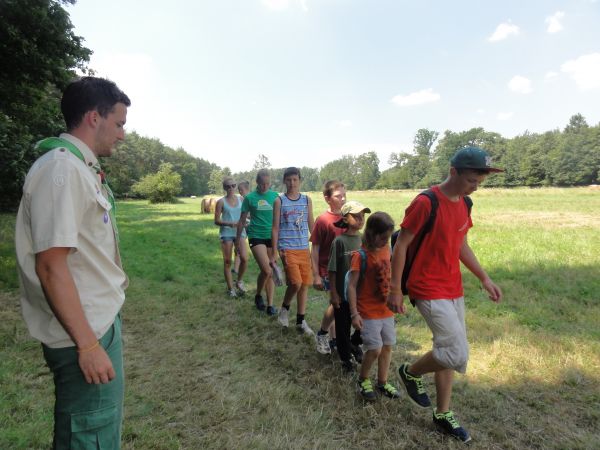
[(63, 206)]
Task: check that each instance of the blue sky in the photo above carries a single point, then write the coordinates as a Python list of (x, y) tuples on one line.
[(306, 81)]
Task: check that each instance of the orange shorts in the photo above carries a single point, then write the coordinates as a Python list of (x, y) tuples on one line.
[(297, 266)]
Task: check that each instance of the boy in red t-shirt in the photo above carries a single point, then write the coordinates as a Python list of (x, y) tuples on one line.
[(323, 234), (435, 282)]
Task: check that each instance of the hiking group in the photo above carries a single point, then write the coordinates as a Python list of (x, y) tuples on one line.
[(365, 278), (72, 281)]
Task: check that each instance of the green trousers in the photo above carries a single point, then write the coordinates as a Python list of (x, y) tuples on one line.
[(87, 416)]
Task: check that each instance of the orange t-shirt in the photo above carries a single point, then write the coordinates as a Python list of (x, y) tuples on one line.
[(374, 285)]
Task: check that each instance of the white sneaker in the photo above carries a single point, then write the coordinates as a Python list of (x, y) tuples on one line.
[(231, 293), (323, 344), (304, 328), (283, 317), (241, 287)]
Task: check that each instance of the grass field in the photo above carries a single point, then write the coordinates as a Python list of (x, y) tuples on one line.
[(205, 371)]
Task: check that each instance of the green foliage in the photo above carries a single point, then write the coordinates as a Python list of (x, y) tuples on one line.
[(39, 52), (161, 187), (138, 156)]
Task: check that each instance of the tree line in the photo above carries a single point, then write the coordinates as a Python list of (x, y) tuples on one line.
[(37, 37)]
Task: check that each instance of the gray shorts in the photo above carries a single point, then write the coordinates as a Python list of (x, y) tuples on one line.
[(376, 333), (446, 320)]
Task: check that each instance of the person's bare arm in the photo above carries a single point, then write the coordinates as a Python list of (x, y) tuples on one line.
[(275, 228), (354, 314), (334, 296), (395, 297), (311, 219), (62, 296), (314, 259), (468, 258)]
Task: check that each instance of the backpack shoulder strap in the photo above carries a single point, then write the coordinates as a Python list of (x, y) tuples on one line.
[(363, 261), (433, 213)]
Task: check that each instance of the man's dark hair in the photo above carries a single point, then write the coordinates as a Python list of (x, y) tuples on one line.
[(291, 171), (89, 94)]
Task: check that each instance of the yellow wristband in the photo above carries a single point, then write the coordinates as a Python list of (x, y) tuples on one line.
[(89, 349)]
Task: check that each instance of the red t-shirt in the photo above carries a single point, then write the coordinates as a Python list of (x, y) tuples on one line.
[(374, 285), (435, 273), (323, 234)]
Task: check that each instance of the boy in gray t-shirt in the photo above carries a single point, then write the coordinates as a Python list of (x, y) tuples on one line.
[(339, 263)]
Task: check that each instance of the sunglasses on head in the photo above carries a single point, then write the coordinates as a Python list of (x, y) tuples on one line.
[(229, 186)]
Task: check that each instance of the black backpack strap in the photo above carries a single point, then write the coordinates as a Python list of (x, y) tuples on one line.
[(416, 244), (469, 204)]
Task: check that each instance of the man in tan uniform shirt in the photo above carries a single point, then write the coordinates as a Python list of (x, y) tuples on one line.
[(72, 281)]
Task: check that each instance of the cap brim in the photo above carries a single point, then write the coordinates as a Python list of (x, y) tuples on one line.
[(340, 224)]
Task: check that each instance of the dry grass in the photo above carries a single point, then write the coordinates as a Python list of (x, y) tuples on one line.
[(204, 371)]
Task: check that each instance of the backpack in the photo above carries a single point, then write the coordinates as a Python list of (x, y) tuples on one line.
[(413, 248), (363, 268)]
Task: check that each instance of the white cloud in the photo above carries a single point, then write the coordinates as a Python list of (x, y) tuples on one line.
[(550, 75), (417, 98), (480, 111), (553, 21), (585, 70), (344, 123), (520, 84), (503, 31), (504, 115)]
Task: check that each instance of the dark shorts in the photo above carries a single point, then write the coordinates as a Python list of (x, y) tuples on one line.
[(256, 241)]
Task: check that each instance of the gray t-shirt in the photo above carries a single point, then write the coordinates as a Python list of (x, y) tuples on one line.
[(340, 257)]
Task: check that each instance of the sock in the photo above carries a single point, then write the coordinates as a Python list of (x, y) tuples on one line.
[(283, 305), (299, 318), (322, 332)]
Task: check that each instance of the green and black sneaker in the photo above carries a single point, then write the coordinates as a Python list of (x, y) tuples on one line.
[(414, 387), (388, 389), (446, 423), (365, 389)]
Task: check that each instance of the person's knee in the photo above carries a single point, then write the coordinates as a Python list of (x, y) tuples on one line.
[(227, 264), (266, 271), (243, 259), (295, 287)]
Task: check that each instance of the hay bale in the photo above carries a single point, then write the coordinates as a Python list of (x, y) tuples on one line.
[(208, 205)]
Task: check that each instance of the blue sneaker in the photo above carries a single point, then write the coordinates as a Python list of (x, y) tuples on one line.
[(414, 387), (446, 423), (259, 302)]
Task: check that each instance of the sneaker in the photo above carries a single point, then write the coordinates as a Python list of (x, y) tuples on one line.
[(304, 328), (271, 310), (356, 352), (241, 288), (323, 344), (414, 387), (259, 302), (365, 389), (231, 293), (283, 317), (446, 423), (333, 345), (389, 390)]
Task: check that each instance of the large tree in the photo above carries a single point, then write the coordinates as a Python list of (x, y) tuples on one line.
[(40, 53)]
